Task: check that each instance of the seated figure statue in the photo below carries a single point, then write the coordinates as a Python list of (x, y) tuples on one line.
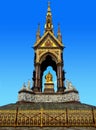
[(49, 77), (69, 85)]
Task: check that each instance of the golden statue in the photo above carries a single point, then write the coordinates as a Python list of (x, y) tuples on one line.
[(49, 25), (49, 77)]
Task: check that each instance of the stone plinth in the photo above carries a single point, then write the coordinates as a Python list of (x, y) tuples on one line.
[(49, 97), (49, 87)]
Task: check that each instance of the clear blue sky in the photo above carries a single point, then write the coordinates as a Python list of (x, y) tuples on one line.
[(18, 25)]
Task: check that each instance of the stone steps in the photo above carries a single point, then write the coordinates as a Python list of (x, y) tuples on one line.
[(47, 128)]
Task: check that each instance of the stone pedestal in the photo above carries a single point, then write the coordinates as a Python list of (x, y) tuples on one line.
[(49, 87)]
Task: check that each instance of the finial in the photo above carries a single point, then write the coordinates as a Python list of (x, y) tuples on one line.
[(49, 9), (49, 6), (48, 3), (38, 28), (59, 28), (38, 32), (59, 33), (49, 25)]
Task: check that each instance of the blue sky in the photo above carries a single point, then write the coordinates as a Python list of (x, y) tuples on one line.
[(18, 26)]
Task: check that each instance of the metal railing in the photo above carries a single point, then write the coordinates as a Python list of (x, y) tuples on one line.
[(48, 118)]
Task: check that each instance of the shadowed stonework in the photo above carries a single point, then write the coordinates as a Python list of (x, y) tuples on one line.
[(47, 106)]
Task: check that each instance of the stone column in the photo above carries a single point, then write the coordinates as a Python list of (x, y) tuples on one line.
[(37, 78), (33, 79), (63, 79), (59, 78), (58, 75)]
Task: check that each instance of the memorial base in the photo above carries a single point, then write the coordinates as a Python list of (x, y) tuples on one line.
[(49, 87)]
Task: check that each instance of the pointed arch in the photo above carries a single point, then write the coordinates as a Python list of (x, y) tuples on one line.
[(52, 55), (47, 61)]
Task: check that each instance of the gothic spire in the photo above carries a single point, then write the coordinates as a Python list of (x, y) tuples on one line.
[(38, 33), (48, 25), (59, 36)]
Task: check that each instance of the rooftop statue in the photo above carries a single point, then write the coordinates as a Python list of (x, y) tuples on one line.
[(69, 86), (49, 77), (29, 84)]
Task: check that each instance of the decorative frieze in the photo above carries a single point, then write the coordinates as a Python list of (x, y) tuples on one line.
[(66, 97)]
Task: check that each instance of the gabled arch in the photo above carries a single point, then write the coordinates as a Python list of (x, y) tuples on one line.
[(43, 57), (48, 61)]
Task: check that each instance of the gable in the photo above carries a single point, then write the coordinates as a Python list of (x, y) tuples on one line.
[(48, 40), (48, 43)]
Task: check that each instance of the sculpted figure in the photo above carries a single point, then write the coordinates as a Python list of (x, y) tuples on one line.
[(49, 77), (69, 84), (49, 25), (28, 84)]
